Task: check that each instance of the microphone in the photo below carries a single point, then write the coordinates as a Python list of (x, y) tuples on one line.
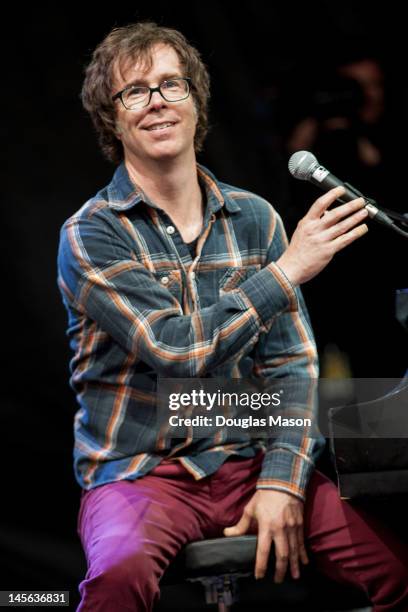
[(304, 166)]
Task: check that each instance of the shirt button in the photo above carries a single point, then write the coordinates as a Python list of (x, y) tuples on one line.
[(170, 229), (165, 280)]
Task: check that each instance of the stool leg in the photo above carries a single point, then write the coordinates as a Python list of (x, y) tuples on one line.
[(226, 593), (221, 590)]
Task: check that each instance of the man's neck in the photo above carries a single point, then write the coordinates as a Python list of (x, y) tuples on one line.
[(174, 188)]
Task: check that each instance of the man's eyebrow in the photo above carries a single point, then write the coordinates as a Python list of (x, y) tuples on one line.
[(163, 77)]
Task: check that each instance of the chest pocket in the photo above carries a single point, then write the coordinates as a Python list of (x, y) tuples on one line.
[(234, 276), (172, 281)]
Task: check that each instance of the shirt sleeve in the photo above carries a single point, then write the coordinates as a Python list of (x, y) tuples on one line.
[(101, 277), (287, 351)]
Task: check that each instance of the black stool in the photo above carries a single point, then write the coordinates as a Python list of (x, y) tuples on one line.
[(224, 568)]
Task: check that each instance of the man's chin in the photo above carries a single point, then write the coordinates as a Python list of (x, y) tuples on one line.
[(166, 153)]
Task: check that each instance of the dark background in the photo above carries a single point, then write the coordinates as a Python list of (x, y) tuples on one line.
[(262, 60)]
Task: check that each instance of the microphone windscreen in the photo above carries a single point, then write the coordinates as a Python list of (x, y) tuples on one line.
[(302, 164)]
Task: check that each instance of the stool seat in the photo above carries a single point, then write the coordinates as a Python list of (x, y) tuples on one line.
[(219, 564), (220, 556), (220, 571)]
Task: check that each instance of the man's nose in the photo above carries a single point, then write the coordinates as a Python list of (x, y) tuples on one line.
[(157, 100)]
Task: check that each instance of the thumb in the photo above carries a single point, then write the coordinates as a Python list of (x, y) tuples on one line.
[(240, 528)]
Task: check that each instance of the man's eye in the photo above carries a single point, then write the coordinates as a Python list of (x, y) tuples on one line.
[(136, 91), (171, 84)]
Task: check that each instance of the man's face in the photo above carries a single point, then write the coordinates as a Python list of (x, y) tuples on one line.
[(134, 127)]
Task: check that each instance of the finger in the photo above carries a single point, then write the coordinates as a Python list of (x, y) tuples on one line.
[(342, 241), (293, 552), (240, 528), (323, 203), (263, 549), (282, 555), (331, 217), (301, 545), (347, 224)]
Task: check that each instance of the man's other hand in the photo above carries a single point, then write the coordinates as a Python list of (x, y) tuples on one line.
[(278, 518)]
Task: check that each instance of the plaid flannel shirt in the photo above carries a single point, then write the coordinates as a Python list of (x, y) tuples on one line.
[(140, 307)]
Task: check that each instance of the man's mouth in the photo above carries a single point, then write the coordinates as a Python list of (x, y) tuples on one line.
[(160, 126)]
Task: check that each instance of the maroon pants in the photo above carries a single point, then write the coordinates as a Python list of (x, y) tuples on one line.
[(131, 531)]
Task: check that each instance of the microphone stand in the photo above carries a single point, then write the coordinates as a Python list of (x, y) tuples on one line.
[(382, 215), (397, 216)]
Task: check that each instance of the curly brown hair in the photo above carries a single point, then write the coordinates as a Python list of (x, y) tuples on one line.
[(135, 41)]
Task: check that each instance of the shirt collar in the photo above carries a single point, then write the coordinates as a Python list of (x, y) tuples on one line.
[(123, 194)]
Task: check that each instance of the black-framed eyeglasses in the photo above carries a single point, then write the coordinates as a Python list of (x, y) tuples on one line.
[(138, 96)]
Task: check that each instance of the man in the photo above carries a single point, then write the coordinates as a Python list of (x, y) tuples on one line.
[(167, 272)]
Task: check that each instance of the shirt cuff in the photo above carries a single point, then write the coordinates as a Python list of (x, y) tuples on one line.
[(270, 293), (286, 470)]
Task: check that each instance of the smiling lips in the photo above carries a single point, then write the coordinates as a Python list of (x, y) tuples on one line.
[(160, 126)]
